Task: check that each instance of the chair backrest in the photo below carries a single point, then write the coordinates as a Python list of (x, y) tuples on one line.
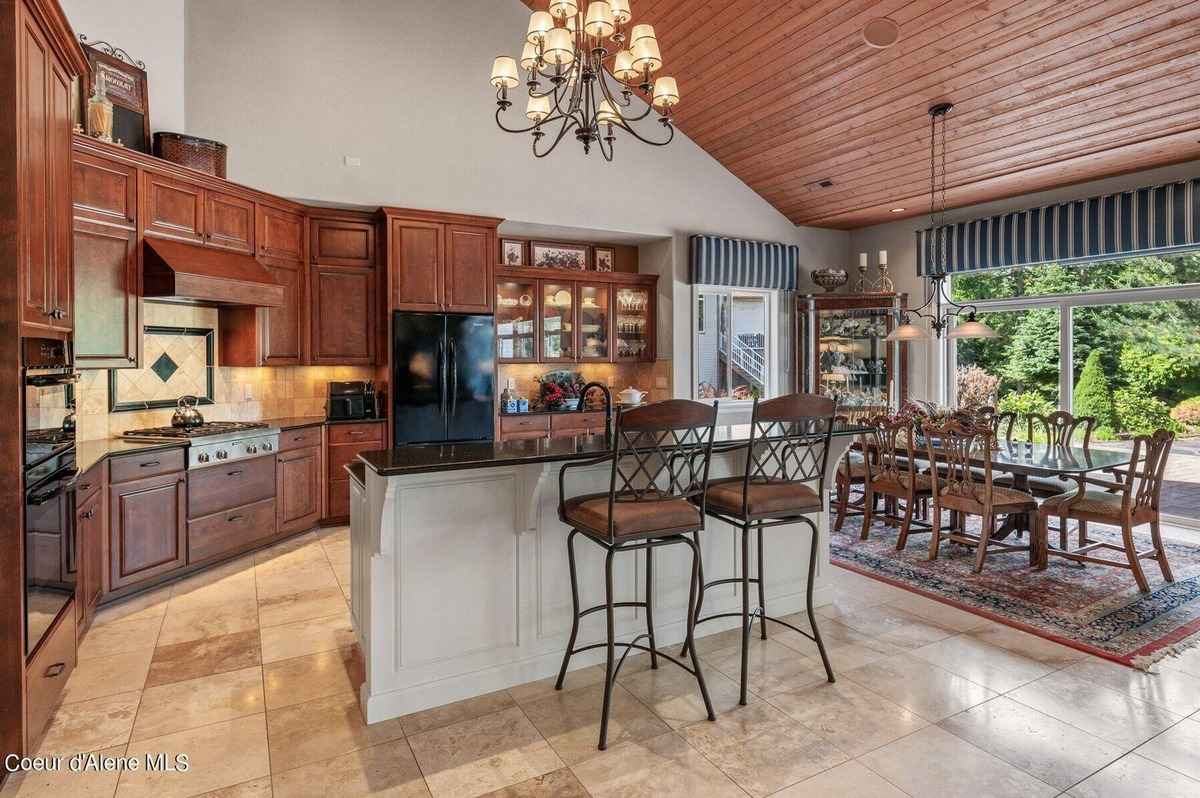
[(662, 451), (789, 440), (895, 449), (954, 448), (1144, 479), (1003, 424), (1060, 427)]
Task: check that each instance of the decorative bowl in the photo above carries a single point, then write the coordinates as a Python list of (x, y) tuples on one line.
[(830, 279)]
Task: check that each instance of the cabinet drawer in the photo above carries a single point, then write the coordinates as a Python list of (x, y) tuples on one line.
[(339, 498), (519, 424), (150, 464), (299, 438), (355, 433), (230, 530), (577, 421), (88, 484), (341, 456), (46, 674), (220, 487)]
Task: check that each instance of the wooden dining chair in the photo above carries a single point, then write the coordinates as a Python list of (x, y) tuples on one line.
[(1130, 501), (851, 472), (1061, 429), (893, 474), (958, 452)]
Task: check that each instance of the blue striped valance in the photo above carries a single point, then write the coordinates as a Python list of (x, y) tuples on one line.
[(744, 264), (1147, 221)]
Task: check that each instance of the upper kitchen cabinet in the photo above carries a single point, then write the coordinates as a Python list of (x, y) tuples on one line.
[(280, 233), (103, 190), (173, 208), (229, 222), (343, 242), (46, 61), (440, 262)]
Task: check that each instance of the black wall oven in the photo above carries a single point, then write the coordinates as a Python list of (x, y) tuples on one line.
[(49, 476)]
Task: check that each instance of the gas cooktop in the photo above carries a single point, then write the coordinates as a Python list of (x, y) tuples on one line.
[(205, 430), (216, 442)]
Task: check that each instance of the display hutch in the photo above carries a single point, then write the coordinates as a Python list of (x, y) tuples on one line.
[(844, 352)]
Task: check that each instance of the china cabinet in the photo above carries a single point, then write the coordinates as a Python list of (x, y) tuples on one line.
[(594, 322), (558, 321), (844, 352), (516, 321), (634, 313)]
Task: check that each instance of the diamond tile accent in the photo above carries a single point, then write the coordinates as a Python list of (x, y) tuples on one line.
[(164, 367)]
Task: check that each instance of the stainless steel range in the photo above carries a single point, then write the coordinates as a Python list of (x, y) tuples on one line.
[(216, 442)]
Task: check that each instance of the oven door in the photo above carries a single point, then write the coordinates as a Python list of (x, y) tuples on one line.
[(50, 551)]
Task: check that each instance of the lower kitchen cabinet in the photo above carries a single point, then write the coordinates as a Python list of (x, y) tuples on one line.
[(47, 674), (231, 508), (89, 547), (228, 531), (344, 442), (147, 527), (298, 488)]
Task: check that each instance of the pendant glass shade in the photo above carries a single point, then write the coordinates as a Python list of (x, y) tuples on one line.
[(529, 57), (606, 114), (640, 32), (623, 68), (562, 9), (972, 329), (504, 73), (666, 93), (646, 56), (559, 47), (540, 23), (538, 107), (907, 332), (621, 11), (600, 22)]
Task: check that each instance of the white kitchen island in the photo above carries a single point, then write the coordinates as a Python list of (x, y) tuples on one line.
[(460, 584)]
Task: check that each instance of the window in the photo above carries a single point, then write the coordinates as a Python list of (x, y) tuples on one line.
[(734, 335)]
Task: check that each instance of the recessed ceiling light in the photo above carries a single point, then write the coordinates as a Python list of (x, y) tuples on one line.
[(897, 210), (881, 33)]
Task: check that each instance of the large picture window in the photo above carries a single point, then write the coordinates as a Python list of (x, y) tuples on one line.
[(734, 335)]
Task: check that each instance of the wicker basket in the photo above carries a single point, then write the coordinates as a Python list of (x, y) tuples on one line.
[(203, 155)]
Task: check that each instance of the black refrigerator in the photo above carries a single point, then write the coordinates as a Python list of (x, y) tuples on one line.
[(443, 377)]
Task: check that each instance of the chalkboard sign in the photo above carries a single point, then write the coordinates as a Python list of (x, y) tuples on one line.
[(126, 86)]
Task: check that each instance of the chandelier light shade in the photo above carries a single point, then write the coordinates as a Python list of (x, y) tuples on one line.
[(583, 62), (942, 312)]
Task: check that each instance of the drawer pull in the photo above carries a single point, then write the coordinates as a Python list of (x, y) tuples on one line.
[(151, 464), (90, 513), (85, 486), (299, 438), (237, 473), (357, 432), (55, 670), (233, 518)]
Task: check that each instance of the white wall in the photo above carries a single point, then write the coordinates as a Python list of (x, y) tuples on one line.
[(151, 31), (899, 239)]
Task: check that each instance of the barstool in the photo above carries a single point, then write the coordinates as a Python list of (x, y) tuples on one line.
[(784, 482), (660, 460)]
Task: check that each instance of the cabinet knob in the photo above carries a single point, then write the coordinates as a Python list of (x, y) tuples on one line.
[(55, 669)]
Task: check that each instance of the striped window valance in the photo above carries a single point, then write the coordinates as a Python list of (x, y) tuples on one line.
[(744, 264), (1157, 220)]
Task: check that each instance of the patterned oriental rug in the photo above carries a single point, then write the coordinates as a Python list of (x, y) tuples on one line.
[(1093, 608)]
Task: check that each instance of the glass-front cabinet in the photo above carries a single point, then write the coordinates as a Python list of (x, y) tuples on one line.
[(558, 321), (633, 313), (516, 321), (595, 321), (844, 352)]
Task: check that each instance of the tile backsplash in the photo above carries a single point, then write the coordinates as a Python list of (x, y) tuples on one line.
[(239, 394)]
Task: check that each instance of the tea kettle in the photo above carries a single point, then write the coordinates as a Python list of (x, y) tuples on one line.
[(631, 396), (186, 415)]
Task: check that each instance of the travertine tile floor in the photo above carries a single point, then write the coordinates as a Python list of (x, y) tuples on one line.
[(256, 682)]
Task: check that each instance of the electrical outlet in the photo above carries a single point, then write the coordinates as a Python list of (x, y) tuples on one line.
[(248, 393), (353, 160)]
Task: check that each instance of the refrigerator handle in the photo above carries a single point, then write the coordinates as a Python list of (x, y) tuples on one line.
[(441, 367), (453, 379)]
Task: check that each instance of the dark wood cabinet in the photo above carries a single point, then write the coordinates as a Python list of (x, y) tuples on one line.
[(89, 558), (268, 336), (298, 489), (104, 190), (440, 262), (343, 443), (47, 674), (147, 527), (470, 265), (280, 233), (229, 222), (173, 208), (415, 252), (43, 181), (343, 315), (108, 303), (342, 242)]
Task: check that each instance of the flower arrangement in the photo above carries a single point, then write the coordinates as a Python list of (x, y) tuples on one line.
[(560, 389)]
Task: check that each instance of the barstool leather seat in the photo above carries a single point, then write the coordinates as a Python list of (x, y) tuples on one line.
[(631, 519), (777, 498)]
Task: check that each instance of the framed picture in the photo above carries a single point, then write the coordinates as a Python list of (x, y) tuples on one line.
[(559, 256), (124, 81), (512, 253), (180, 360), (606, 259)]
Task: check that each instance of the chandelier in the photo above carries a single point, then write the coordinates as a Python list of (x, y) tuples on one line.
[(592, 62), (939, 309)]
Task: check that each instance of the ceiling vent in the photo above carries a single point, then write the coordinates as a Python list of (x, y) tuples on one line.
[(881, 33), (817, 185)]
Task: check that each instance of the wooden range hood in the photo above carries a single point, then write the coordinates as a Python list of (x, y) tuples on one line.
[(190, 273)]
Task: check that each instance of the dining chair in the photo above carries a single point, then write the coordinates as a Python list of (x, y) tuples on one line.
[(893, 473), (851, 472), (1127, 502), (958, 452), (656, 497)]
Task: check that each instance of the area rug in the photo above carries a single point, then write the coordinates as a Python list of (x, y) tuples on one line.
[(1092, 608)]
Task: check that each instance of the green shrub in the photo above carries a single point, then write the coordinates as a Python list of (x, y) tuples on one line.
[(1024, 403), (1187, 412), (1150, 371), (1093, 396), (1142, 414)]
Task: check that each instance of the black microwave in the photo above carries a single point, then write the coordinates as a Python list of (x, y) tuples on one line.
[(352, 401)]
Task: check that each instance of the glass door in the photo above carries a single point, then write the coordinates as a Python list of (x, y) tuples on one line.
[(516, 321), (595, 321), (854, 363), (558, 321), (633, 323)]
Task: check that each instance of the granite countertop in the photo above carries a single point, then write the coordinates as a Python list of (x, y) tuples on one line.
[(357, 471), (295, 422), (89, 453), (423, 459), (560, 411), (353, 421)]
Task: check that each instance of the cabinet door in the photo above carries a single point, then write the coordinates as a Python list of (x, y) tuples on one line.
[(35, 213), (470, 256), (595, 322), (229, 222), (62, 276), (298, 489), (103, 190), (343, 315), (280, 233), (558, 321), (282, 329), (147, 526), (415, 261), (173, 208), (89, 542), (336, 242), (633, 323), (108, 329)]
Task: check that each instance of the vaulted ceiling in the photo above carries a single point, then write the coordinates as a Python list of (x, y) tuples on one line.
[(786, 94)]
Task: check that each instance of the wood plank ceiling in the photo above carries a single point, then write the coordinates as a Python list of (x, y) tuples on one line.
[(1046, 93)]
